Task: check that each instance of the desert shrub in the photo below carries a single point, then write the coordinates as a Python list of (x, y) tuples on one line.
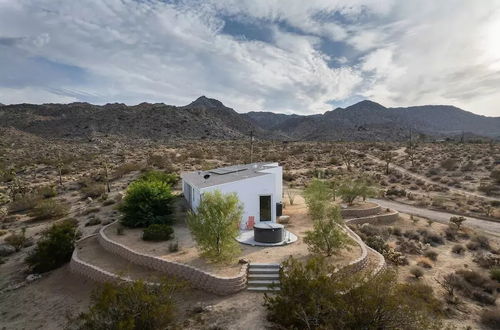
[(93, 190), (410, 247), (310, 298), (47, 191), (482, 240), (396, 231), (458, 248), (412, 234), (349, 190), (433, 239), (17, 240), (94, 221), (487, 260), (135, 305), (488, 189), (146, 203), (158, 232), (126, 168), (491, 318), (424, 262), (49, 209), (54, 248), (473, 246), (169, 178), (370, 230), (216, 225), (495, 273), (417, 272), (431, 254), (495, 175), (395, 192), (120, 230), (24, 203), (377, 243), (483, 297), (449, 164)]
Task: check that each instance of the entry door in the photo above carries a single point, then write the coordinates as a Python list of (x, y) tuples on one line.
[(265, 208)]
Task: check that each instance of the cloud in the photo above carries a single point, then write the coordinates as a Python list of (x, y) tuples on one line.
[(314, 53)]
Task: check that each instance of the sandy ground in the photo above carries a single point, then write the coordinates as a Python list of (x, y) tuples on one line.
[(300, 222), (447, 262)]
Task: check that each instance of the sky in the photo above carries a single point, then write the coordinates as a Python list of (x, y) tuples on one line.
[(290, 56)]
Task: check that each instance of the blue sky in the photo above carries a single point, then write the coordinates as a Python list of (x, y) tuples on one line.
[(275, 55)]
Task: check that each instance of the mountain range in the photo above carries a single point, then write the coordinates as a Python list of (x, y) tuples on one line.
[(207, 118)]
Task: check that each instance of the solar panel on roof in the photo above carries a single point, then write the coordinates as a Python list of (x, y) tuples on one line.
[(227, 170)]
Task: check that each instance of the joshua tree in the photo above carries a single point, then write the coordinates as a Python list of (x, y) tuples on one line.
[(347, 157), (387, 157)]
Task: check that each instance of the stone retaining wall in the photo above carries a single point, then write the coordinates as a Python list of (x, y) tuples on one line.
[(92, 272), (357, 213), (196, 277), (361, 262)]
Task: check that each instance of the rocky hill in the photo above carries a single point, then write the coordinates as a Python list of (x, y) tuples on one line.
[(202, 119), (370, 121), (207, 118)]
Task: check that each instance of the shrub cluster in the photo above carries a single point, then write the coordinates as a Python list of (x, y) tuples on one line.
[(158, 232), (49, 209), (54, 248)]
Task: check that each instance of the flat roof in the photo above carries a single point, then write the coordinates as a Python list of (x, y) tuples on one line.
[(217, 176)]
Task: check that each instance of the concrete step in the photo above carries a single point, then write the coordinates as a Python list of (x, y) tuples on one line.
[(261, 265), (263, 283), (259, 277), (262, 289), (263, 270)]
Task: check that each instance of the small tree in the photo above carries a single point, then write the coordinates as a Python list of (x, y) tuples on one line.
[(349, 190), (131, 306), (215, 225), (457, 222), (291, 193), (327, 237), (387, 157), (54, 248), (146, 203), (317, 194)]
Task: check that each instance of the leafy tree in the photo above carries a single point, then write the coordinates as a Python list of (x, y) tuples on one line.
[(169, 178), (129, 306), (215, 225), (349, 190), (316, 195), (55, 247), (146, 203), (327, 237), (313, 297)]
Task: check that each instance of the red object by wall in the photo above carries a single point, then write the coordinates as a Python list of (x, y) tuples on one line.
[(250, 222)]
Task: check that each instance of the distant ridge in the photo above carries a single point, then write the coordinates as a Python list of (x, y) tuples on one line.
[(207, 118)]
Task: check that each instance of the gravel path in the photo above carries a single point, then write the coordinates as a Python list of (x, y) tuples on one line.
[(490, 227)]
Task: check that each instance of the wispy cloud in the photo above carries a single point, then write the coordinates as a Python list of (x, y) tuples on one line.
[(298, 56)]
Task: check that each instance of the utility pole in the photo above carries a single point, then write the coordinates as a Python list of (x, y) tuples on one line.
[(251, 146)]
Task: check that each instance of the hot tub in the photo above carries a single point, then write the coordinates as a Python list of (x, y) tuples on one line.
[(268, 232)]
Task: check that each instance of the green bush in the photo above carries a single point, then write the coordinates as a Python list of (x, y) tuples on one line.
[(146, 203), (129, 306), (312, 298), (54, 248), (158, 232), (495, 273), (49, 209), (169, 178)]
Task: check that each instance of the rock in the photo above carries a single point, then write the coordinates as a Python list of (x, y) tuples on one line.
[(6, 250), (33, 277), (243, 261), (284, 219), (89, 200)]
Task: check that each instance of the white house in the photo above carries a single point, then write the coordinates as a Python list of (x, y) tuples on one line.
[(258, 186)]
